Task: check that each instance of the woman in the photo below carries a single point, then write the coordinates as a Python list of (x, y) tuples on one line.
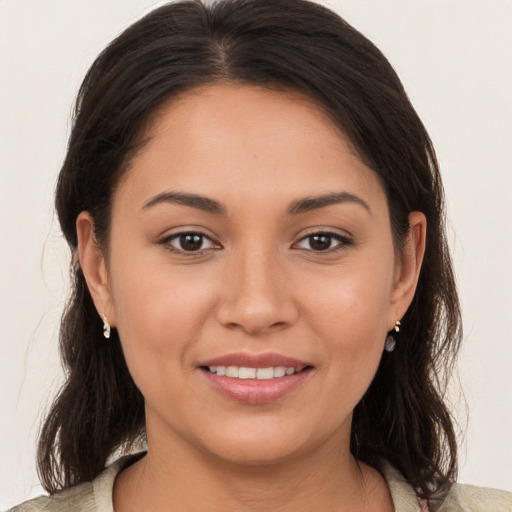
[(263, 292)]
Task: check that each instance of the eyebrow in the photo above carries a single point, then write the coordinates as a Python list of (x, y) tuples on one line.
[(193, 200), (296, 208), (313, 203)]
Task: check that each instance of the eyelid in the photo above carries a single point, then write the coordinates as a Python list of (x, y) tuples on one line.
[(166, 240), (345, 240)]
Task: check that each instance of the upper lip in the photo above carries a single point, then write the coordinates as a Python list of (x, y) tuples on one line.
[(265, 360)]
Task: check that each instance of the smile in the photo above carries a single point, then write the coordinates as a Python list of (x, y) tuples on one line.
[(255, 379), (243, 372)]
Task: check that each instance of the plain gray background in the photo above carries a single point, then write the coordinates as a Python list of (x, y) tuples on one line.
[(455, 59)]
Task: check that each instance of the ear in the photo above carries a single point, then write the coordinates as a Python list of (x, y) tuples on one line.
[(94, 267), (408, 267)]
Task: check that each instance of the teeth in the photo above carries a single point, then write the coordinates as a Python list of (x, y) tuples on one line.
[(279, 371), (247, 373), (242, 372), (232, 371), (265, 373)]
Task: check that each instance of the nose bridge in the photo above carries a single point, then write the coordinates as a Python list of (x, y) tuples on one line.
[(258, 275), (255, 297)]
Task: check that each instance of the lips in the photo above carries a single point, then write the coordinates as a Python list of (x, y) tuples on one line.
[(255, 379)]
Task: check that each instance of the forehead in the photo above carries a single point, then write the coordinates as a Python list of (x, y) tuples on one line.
[(245, 139)]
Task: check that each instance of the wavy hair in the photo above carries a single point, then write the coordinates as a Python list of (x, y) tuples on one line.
[(296, 45)]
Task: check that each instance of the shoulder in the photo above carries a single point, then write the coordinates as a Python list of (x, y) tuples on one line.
[(77, 498), (95, 496), (469, 498), (460, 498)]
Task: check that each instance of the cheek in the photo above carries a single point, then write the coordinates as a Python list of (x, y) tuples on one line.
[(158, 298), (353, 303), (349, 314), (353, 329), (159, 316)]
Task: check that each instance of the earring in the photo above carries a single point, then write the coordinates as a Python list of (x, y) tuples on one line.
[(390, 343), (106, 327)]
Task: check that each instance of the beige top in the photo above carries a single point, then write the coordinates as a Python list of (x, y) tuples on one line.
[(96, 496)]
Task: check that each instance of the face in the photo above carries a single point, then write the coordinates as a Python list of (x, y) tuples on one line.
[(251, 275)]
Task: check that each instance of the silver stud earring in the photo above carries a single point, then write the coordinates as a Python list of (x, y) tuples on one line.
[(106, 327)]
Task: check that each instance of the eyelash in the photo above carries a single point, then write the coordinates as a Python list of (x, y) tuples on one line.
[(167, 241), (343, 242)]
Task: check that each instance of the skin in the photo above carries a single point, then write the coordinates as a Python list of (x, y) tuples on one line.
[(256, 285)]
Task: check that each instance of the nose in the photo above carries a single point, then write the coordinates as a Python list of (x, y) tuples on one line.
[(257, 297)]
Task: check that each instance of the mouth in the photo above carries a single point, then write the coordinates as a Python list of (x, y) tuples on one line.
[(245, 373), (255, 380)]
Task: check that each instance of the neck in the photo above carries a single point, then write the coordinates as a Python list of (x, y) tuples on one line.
[(327, 479)]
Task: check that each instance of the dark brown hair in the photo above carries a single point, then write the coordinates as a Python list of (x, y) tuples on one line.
[(291, 44)]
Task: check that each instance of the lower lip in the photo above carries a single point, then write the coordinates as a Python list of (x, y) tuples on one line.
[(253, 391)]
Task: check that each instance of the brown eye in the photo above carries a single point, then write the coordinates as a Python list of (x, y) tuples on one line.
[(320, 242), (189, 242), (323, 242)]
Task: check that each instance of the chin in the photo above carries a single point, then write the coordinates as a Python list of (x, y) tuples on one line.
[(258, 453), (267, 443)]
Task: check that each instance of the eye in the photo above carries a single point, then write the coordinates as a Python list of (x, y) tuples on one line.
[(191, 242), (323, 242)]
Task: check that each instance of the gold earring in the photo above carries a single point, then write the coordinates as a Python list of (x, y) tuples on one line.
[(397, 326), (106, 327)]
